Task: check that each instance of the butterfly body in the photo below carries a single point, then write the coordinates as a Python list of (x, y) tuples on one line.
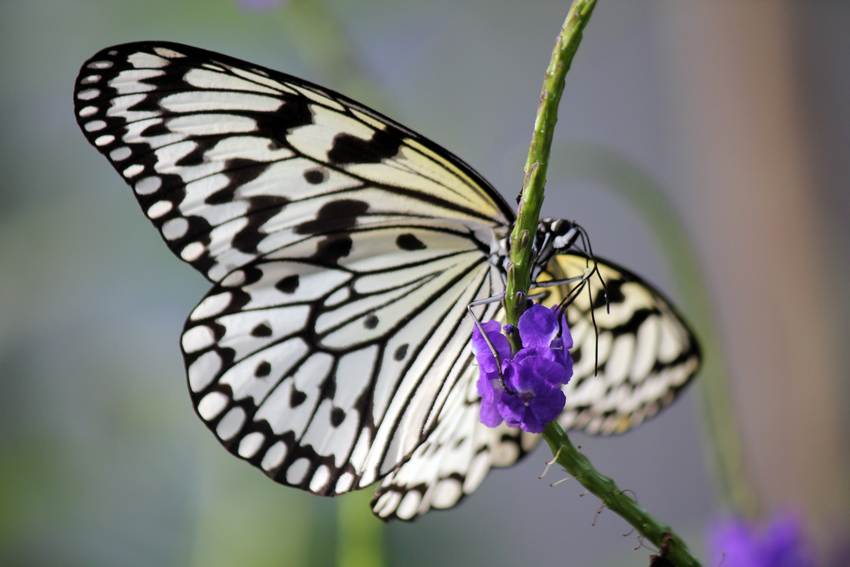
[(333, 348)]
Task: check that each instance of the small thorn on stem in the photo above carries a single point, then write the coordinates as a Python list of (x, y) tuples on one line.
[(598, 512), (549, 464), (557, 482)]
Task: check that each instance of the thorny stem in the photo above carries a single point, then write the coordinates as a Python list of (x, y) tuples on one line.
[(615, 499), (519, 281)]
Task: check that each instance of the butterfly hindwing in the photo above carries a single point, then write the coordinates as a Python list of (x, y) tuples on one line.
[(327, 377), (632, 355), (454, 459)]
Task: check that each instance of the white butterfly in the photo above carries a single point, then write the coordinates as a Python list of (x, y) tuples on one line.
[(333, 348)]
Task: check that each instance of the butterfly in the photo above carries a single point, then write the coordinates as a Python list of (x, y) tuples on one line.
[(333, 349)]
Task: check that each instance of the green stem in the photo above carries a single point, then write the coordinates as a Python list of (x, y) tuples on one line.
[(528, 213), (519, 280), (615, 499), (359, 537)]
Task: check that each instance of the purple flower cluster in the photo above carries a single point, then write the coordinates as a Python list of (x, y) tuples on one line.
[(535, 374), (780, 544)]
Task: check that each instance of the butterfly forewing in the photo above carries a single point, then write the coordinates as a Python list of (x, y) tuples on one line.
[(231, 161)]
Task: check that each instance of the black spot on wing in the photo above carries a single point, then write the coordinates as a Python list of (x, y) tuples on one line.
[(337, 417), (240, 172), (198, 154), (409, 242), (296, 398), (261, 330), (400, 352), (371, 321), (334, 216), (351, 149), (330, 249), (260, 210), (294, 113), (155, 129), (615, 293), (633, 325), (263, 369), (314, 176), (288, 284), (152, 100)]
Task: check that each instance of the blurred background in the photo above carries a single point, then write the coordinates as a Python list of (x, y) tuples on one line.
[(728, 118)]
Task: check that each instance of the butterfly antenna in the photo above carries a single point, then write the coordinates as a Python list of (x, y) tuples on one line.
[(572, 294), (585, 241), (559, 314), (588, 251), (595, 330)]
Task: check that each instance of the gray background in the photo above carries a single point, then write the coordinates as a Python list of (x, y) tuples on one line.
[(736, 111)]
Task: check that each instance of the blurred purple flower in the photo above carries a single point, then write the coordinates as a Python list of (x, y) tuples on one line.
[(782, 543), (535, 374)]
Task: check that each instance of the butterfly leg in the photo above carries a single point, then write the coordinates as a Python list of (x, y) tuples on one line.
[(553, 283), (574, 292), (487, 339)]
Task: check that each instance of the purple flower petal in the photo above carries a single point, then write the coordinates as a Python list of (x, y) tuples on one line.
[(489, 412), (538, 398), (549, 405), (532, 413), (536, 365), (538, 326), (512, 409), (530, 422), (491, 393), (488, 384)]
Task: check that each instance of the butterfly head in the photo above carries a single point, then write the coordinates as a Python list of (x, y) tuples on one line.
[(557, 236)]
